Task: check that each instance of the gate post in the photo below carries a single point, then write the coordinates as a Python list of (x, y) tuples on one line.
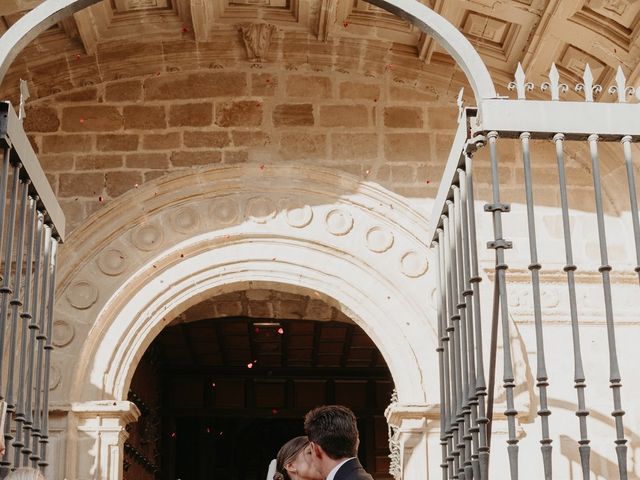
[(98, 433), (417, 436)]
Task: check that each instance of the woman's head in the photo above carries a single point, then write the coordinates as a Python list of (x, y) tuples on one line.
[(294, 461)]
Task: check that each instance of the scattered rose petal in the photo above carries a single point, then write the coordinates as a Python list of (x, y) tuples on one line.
[(281, 331)]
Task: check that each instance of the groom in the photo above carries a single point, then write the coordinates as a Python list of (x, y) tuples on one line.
[(333, 433)]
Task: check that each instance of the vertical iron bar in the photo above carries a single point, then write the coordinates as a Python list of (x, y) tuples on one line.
[(615, 380), (455, 320), (15, 302), (579, 376), (453, 447), (464, 346), (495, 320), (4, 180), (6, 290), (633, 198), (33, 332), (25, 315), (500, 244), (535, 266), (44, 438), (441, 315), (41, 337), (481, 388), (468, 298)]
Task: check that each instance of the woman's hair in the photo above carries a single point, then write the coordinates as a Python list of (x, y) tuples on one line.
[(288, 453), (25, 473)]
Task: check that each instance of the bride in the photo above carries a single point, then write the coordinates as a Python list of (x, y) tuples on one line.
[(294, 462)]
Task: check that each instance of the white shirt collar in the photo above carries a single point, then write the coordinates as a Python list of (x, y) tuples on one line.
[(333, 472)]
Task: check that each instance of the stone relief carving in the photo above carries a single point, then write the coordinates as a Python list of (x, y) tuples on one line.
[(225, 211), (82, 295), (185, 220), (147, 237), (257, 39), (112, 262), (413, 264), (616, 6), (339, 222), (379, 239), (63, 333)]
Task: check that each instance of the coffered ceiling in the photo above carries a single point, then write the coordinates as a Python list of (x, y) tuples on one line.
[(603, 33)]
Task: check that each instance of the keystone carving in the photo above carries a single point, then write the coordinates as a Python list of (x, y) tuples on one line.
[(257, 39)]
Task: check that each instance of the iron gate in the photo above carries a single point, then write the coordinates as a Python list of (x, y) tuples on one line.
[(467, 387), (32, 227)]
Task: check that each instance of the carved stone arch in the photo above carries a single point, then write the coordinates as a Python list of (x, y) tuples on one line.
[(452, 40)]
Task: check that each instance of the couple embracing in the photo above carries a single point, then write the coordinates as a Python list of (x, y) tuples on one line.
[(328, 452)]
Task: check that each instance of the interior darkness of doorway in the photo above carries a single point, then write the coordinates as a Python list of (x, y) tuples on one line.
[(219, 397)]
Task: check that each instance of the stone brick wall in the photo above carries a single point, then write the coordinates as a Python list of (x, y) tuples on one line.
[(98, 142)]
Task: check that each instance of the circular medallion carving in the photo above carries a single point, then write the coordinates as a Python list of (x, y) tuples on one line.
[(82, 295), (185, 220), (147, 238), (414, 264), (339, 222), (54, 377), (225, 211), (379, 239), (260, 209), (112, 262), (63, 333), (550, 298), (299, 217)]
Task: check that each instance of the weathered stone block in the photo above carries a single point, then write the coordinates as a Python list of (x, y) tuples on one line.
[(293, 115), (191, 115), (344, 116), (81, 184), (199, 139), (403, 147), (93, 118), (303, 146), (196, 85), (56, 163), (98, 162), (256, 138), (117, 143), (354, 146), (138, 117), (193, 159), (161, 141), (41, 119), (359, 91), (66, 143), (245, 113), (147, 161), (128, 91), (121, 182), (263, 84), (308, 86), (403, 117), (235, 156), (443, 118)]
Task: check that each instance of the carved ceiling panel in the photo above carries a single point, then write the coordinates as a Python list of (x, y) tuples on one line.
[(616, 20)]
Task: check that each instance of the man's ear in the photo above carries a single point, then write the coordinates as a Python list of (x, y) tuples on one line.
[(317, 450)]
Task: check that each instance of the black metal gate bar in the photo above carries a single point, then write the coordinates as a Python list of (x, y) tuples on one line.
[(579, 376), (48, 347), (6, 156), (25, 316), (615, 381), (33, 332), (633, 197), (41, 338), (444, 402), (473, 467), (500, 244), (16, 303), (474, 281), (535, 266)]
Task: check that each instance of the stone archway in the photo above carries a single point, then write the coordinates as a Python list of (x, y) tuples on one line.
[(188, 236)]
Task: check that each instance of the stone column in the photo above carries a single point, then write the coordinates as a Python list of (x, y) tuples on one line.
[(97, 436), (414, 427)]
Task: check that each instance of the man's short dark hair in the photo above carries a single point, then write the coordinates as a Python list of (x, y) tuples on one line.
[(335, 429)]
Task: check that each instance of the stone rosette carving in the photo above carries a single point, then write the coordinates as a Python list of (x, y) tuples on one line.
[(225, 211), (414, 264), (82, 295), (63, 333), (339, 222), (112, 262), (379, 239), (257, 39), (147, 237), (185, 220), (297, 216), (260, 209)]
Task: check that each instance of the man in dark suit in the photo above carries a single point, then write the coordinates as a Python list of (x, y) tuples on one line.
[(333, 433)]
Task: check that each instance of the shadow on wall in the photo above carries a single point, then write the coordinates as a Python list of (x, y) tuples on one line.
[(600, 466)]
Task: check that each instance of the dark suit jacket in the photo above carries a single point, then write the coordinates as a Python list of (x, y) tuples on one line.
[(352, 470)]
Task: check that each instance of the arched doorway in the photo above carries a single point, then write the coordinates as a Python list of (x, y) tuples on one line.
[(195, 236), (228, 382)]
